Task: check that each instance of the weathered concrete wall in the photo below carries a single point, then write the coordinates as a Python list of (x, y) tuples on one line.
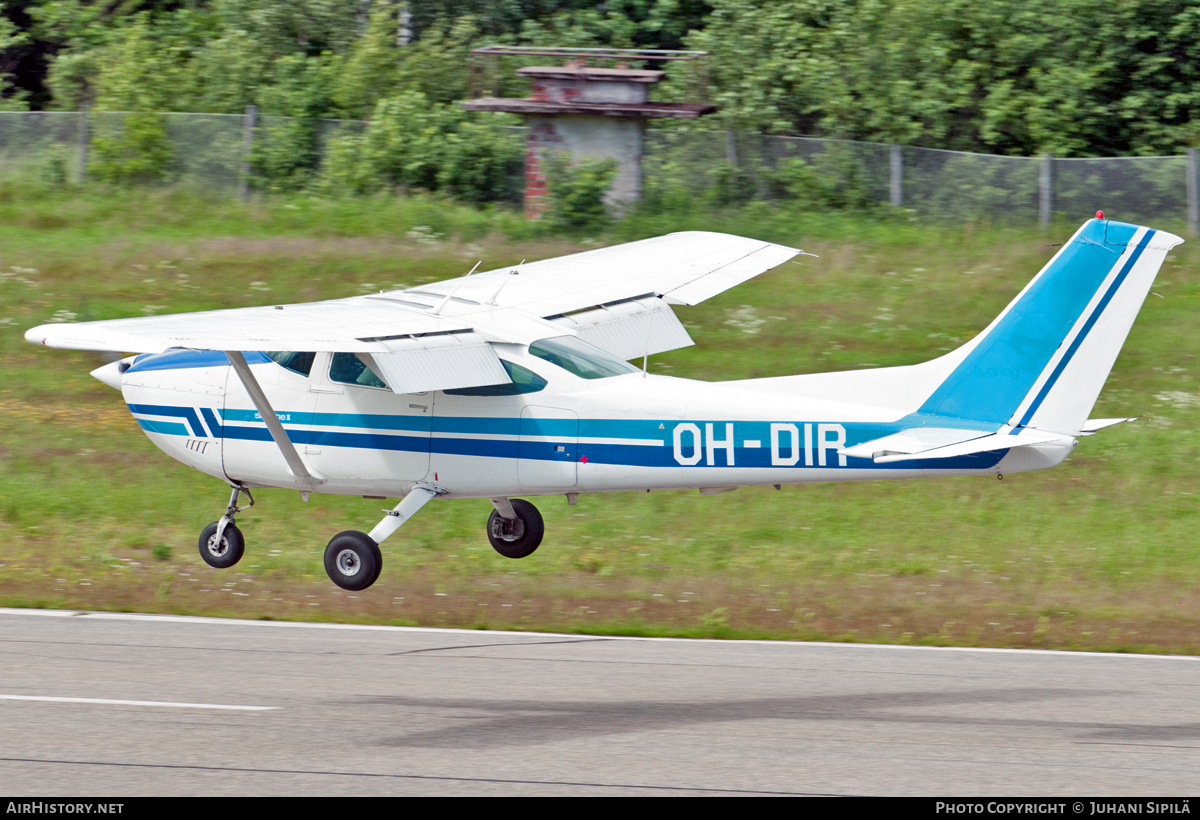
[(619, 138)]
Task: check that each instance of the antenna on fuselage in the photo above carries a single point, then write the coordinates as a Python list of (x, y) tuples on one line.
[(437, 310), (511, 273)]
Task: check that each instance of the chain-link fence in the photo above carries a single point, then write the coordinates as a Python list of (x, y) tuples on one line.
[(233, 154), (936, 184)]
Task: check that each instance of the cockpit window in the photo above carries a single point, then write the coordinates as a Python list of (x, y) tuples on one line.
[(296, 362), (349, 369), (580, 358), (523, 381)]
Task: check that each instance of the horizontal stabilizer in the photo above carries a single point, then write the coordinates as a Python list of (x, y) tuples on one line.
[(1092, 425), (939, 442), (916, 440)]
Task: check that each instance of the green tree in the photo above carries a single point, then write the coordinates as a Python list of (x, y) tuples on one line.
[(370, 72), (577, 187), (11, 40)]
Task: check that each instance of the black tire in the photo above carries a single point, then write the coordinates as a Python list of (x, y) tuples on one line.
[(353, 560), (520, 538), (230, 551)]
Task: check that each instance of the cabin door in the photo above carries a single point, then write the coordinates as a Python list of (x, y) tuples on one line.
[(548, 449)]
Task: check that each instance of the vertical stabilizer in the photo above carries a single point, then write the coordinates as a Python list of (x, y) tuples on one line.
[(1043, 361)]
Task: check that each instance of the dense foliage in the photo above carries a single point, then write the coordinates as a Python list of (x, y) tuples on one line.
[(1017, 77)]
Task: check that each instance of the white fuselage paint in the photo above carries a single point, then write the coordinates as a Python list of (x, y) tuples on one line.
[(628, 432)]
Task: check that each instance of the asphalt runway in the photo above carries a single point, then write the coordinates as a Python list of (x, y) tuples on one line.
[(98, 704)]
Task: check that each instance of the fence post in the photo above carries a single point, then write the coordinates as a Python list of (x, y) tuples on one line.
[(1045, 189), (1193, 193), (897, 180), (248, 123), (84, 139)]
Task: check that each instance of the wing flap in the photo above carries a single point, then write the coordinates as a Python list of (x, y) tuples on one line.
[(443, 362), (631, 329)]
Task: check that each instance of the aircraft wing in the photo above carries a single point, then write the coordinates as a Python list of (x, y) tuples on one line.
[(343, 326), (683, 268), (438, 336)]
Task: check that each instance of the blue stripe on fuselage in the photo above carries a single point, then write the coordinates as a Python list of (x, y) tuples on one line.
[(373, 421), (210, 418), (183, 359), (618, 454), (167, 428), (187, 413)]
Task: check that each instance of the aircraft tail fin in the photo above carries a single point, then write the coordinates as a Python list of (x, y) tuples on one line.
[(1043, 361)]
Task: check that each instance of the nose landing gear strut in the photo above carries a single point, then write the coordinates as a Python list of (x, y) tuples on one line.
[(221, 542)]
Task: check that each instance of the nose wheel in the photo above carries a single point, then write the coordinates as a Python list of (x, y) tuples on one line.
[(221, 542), (222, 552), (519, 535)]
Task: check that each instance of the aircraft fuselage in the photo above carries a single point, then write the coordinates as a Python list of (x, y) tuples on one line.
[(575, 435)]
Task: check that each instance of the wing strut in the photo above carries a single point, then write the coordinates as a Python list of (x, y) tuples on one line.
[(294, 462)]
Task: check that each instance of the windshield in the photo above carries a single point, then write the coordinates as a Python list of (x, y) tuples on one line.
[(296, 362), (580, 358)]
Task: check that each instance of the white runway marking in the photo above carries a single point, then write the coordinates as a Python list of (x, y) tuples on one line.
[(108, 702)]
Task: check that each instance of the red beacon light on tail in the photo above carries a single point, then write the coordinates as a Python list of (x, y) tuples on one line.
[(1099, 214)]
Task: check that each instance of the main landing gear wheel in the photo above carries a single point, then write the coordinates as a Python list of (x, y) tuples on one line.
[(518, 537), (225, 554), (353, 560)]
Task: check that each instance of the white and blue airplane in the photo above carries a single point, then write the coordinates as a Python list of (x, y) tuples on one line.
[(517, 381)]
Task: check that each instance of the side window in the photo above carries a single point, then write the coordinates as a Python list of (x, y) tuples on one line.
[(580, 358), (296, 362), (523, 381), (349, 369)]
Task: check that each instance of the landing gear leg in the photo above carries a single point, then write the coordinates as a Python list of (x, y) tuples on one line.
[(221, 542), (353, 560)]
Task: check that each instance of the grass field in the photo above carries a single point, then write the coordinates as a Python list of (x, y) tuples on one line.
[(1099, 553)]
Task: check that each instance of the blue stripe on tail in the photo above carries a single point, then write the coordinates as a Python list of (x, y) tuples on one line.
[(992, 381), (1091, 321)]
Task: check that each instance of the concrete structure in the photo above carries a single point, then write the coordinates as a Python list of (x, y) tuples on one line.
[(588, 112)]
